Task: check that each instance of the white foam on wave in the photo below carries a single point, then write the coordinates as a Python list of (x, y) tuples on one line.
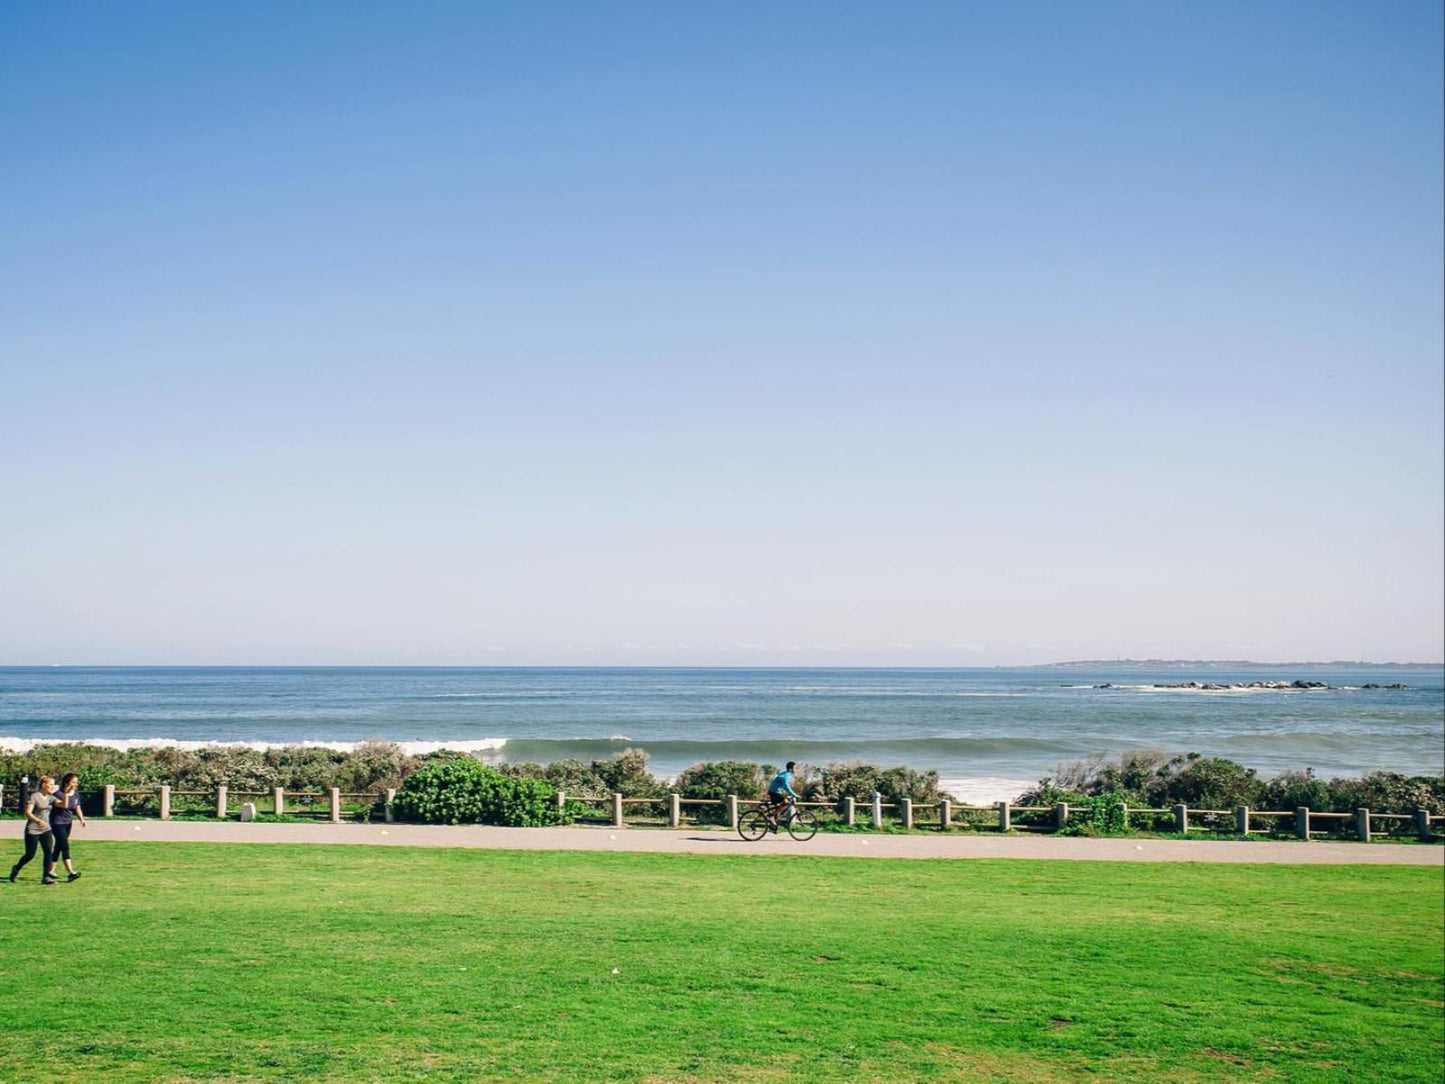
[(986, 789), (411, 748)]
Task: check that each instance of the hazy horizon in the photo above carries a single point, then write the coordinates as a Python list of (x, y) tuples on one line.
[(1060, 664), (813, 334)]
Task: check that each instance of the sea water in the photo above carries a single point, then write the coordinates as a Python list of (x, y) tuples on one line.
[(988, 732)]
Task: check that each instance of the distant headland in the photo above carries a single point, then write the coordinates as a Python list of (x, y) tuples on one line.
[(1222, 664)]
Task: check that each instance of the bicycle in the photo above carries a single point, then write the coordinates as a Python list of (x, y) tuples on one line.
[(801, 824)]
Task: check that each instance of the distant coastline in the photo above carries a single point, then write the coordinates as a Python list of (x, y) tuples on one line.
[(1221, 664)]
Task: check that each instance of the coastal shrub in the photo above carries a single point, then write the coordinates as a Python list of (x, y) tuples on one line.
[(1099, 814), (717, 779), (1205, 783), (1292, 789), (1048, 793), (859, 782), (572, 777), (626, 774), (466, 791), (1135, 773), (1388, 792)]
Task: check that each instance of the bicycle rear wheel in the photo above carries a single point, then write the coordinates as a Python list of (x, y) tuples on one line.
[(754, 826), (802, 827)]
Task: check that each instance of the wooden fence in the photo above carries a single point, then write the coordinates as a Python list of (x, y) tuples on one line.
[(947, 813), (334, 805)]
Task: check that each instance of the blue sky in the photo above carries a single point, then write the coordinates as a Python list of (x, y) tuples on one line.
[(846, 333)]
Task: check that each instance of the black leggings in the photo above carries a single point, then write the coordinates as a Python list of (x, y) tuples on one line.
[(62, 841), (46, 842)]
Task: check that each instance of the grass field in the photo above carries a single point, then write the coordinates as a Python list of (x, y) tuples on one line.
[(178, 962)]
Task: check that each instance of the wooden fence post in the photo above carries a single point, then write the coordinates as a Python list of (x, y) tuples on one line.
[(107, 801), (335, 805), (616, 810), (849, 812), (732, 807), (1181, 819), (278, 800), (165, 801), (1362, 825), (674, 810), (1422, 825), (561, 800), (1241, 819), (1061, 816), (907, 811), (389, 815), (945, 814), (221, 802), (2, 797), (877, 810), (1302, 821), (1005, 817)]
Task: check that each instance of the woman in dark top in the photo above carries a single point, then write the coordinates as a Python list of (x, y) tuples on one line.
[(66, 809), (37, 831)]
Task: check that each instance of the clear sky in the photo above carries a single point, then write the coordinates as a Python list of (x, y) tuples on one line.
[(657, 333)]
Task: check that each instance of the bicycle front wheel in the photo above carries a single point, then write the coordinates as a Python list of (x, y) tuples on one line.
[(802, 827), (754, 826)]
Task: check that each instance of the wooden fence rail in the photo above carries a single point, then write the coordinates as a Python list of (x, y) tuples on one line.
[(1366, 823)]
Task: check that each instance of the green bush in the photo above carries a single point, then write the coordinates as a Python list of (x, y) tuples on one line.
[(1205, 783), (1290, 790), (1388, 792), (1099, 814), (626, 774), (717, 779), (465, 791)]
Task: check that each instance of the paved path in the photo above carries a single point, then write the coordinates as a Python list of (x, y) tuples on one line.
[(705, 841)]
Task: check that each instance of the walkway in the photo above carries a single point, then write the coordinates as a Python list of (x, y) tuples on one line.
[(717, 841)]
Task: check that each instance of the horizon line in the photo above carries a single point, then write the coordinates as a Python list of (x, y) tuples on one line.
[(676, 666)]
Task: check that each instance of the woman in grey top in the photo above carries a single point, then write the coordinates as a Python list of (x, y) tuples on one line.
[(37, 831), (62, 814)]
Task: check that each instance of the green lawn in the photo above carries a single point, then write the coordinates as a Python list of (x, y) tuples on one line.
[(171, 962)]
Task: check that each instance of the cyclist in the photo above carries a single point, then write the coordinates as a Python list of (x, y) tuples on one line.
[(780, 790)]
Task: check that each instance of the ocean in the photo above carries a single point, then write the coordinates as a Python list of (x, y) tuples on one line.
[(988, 732)]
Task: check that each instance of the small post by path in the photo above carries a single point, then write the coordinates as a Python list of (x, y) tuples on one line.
[(945, 814), (1241, 819), (1302, 821), (849, 813), (1005, 817), (561, 800), (616, 810), (1181, 819), (335, 805), (221, 802), (107, 801), (674, 810), (1362, 825), (1124, 815), (907, 811), (165, 801), (278, 800), (2, 797), (1422, 825), (390, 810), (1061, 816), (877, 810), (732, 808)]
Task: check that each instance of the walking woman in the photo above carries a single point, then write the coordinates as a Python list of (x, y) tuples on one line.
[(37, 831), (65, 810)]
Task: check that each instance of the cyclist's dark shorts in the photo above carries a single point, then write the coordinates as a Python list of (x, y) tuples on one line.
[(778, 799)]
